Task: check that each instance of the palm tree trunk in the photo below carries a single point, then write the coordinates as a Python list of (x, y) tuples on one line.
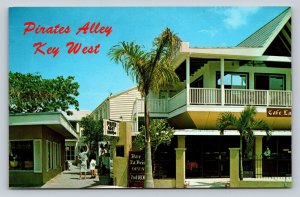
[(148, 183), (241, 157)]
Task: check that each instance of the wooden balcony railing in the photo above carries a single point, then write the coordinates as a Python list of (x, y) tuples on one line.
[(212, 96)]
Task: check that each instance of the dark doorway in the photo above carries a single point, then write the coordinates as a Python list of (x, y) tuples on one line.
[(279, 163), (208, 156)]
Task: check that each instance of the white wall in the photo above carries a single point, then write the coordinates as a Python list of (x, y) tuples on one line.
[(120, 107)]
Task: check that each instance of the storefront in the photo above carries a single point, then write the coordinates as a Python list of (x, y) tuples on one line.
[(36, 147)]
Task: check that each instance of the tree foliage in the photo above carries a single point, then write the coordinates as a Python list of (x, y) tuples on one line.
[(245, 124), (32, 93), (92, 130), (152, 71), (160, 133)]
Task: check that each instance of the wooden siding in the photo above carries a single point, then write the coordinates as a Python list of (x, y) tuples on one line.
[(122, 105)]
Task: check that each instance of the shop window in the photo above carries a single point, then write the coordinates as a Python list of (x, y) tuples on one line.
[(21, 156)]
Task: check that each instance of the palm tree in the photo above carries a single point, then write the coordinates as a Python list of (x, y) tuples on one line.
[(245, 124), (152, 71)]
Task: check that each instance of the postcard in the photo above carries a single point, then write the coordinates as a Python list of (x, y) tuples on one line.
[(150, 97)]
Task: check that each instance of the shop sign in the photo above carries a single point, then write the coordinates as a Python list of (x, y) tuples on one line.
[(110, 128), (279, 112), (136, 169)]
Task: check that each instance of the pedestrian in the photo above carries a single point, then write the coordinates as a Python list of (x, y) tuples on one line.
[(267, 152), (83, 161), (92, 159)]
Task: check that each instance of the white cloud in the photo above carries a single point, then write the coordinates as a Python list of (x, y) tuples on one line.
[(210, 32), (238, 16)]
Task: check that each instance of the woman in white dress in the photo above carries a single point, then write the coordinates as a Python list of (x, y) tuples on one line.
[(83, 161)]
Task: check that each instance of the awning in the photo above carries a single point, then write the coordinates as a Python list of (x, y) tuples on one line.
[(197, 132), (54, 120)]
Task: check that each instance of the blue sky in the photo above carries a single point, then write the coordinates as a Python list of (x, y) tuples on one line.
[(96, 74)]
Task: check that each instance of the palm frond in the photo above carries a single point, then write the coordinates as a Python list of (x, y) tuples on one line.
[(133, 59), (247, 116), (166, 45), (262, 125), (226, 120), (163, 76)]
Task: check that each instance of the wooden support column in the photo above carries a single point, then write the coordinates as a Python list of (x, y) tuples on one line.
[(258, 154), (234, 167), (222, 82), (187, 64), (180, 162)]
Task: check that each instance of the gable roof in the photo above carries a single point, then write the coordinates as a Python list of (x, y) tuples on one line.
[(266, 34), (113, 96), (120, 93), (255, 47)]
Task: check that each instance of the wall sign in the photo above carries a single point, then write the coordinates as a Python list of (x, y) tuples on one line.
[(110, 128), (136, 169), (279, 112)]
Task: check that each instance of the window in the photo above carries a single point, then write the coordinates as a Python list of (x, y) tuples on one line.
[(21, 156), (49, 155), (70, 153), (53, 155), (233, 80), (269, 82)]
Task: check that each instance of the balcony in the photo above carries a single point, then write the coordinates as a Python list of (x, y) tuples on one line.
[(205, 106), (213, 96), (236, 97)]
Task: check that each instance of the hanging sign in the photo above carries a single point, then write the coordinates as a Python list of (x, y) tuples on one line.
[(110, 128)]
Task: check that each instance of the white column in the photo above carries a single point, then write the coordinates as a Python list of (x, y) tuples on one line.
[(187, 64), (222, 82)]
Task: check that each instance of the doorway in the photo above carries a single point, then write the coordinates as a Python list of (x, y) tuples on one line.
[(208, 156)]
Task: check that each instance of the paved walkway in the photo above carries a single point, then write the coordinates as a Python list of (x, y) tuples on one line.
[(207, 182), (70, 179)]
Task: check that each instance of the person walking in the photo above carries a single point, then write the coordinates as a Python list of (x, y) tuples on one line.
[(83, 161), (93, 164)]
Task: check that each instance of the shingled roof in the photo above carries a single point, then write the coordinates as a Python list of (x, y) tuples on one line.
[(266, 34)]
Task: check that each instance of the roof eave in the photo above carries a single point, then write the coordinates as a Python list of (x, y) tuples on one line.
[(54, 120)]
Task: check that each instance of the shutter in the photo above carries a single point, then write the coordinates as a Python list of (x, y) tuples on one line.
[(51, 157), (47, 155), (59, 156), (54, 155), (37, 155)]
